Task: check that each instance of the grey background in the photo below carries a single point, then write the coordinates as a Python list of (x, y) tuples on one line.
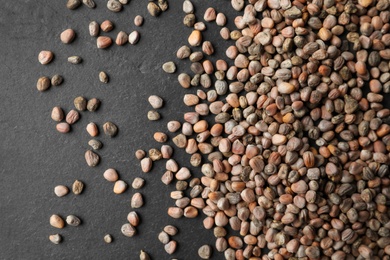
[(34, 158)]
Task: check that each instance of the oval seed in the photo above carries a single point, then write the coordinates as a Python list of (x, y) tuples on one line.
[(61, 190), (63, 127), (133, 218), (138, 183), (107, 238), (94, 29), (128, 230), (120, 187), (45, 57), (72, 220), (169, 67), (137, 201), (92, 129), (77, 187), (110, 175), (134, 37), (138, 20), (57, 114), (170, 247), (56, 221), (204, 252), (155, 101), (75, 59), (103, 77), (67, 36), (43, 83), (110, 129), (55, 239)]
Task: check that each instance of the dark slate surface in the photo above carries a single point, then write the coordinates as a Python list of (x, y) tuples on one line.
[(34, 158)]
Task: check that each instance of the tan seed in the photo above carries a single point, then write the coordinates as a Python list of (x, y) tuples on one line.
[(43, 83), (171, 230), (93, 104), (146, 164), (77, 187), (103, 42), (61, 190), (128, 230), (107, 26), (155, 101), (120, 187), (67, 36), (285, 88), (160, 137), (103, 77), (110, 129), (121, 38), (133, 218), (91, 158), (56, 221), (137, 201), (80, 103), (72, 117), (138, 20), (45, 57), (169, 67), (55, 239), (134, 37), (210, 15), (92, 129), (63, 127), (195, 38), (57, 114), (170, 247), (138, 183), (153, 9), (94, 29)]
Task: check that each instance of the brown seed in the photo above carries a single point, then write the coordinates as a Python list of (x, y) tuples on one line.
[(56, 80), (80, 103), (195, 38), (94, 29), (133, 218), (210, 15), (170, 247), (171, 230), (72, 117), (153, 9), (43, 83), (91, 158), (140, 154), (107, 26), (138, 183), (63, 127), (183, 52), (57, 114), (163, 237), (137, 201), (138, 20), (77, 187), (110, 129), (56, 221), (61, 190), (299, 187), (103, 42), (120, 187), (103, 77), (92, 129), (190, 212), (45, 57), (111, 175), (93, 104), (207, 48), (121, 38), (67, 36)]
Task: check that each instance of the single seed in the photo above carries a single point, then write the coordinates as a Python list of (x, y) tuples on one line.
[(103, 77), (111, 175), (77, 187), (169, 67), (72, 117), (63, 127), (95, 144), (155, 101), (170, 230), (163, 4), (75, 59), (114, 6), (183, 52), (195, 38), (143, 256), (61, 190), (170, 247), (80, 103), (134, 37), (120, 187), (160, 137), (57, 114), (67, 36), (92, 158), (92, 129), (107, 26), (56, 221), (138, 183), (137, 201), (110, 129), (73, 4), (43, 83), (153, 9), (93, 29), (210, 15), (146, 164), (163, 237), (45, 57), (128, 230), (140, 154), (56, 80), (153, 115), (93, 104), (173, 126), (72, 220), (138, 20), (155, 154), (121, 38), (204, 252), (107, 238), (89, 3), (103, 42), (55, 239), (133, 218), (188, 7), (124, 2)]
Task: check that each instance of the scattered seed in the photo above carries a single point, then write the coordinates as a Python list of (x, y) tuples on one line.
[(146, 164), (72, 117), (128, 230), (143, 256), (43, 84), (73, 4), (153, 9), (137, 201), (110, 129), (103, 42), (170, 230), (195, 38), (163, 237), (121, 38), (134, 37), (155, 101), (107, 26), (67, 36), (138, 183), (140, 154), (120, 187), (45, 57), (153, 115), (169, 67), (163, 4), (111, 175), (107, 238), (95, 144), (124, 2), (92, 129), (72, 220), (133, 218), (103, 77), (204, 252), (188, 7), (210, 15), (56, 80), (170, 247), (57, 114), (89, 3), (93, 104), (92, 158), (56, 221), (77, 187), (114, 6), (160, 137), (75, 59), (55, 239), (138, 20), (61, 190), (63, 127), (94, 29), (155, 154)]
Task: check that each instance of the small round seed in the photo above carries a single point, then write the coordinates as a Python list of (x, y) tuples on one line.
[(169, 67), (153, 9), (61, 190), (137, 201), (133, 218), (138, 20), (94, 29), (72, 220), (121, 38), (155, 101), (107, 26), (128, 230), (77, 187), (204, 252), (43, 83), (107, 238), (45, 57), (138, 183), (92, 158), (134, 37), (75, 59), (95, 144), (170, 230), (92, 129), (153, 115), (72, 117), (67, 36), (146, 164), (57, 80), (195, 38), (144, 256), (103, 77), (163, 237), (89, 3), (80, 103), (110, 129), (93, 104), (140, 154), (55, 239), (120, 187), (73, 4), (114, 6), (56, 221), (103, 42), (63, 127), (170, 247), (57, 114), (110, 175)]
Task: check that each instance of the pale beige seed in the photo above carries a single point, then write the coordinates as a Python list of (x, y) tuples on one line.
[(107, 238), (103, 77), (107, 26), (138, 20), (63, 127), (163, 237), (144, 256), (77, 187), (75, 59), (210, 15), (195, 38), (67, 36), (56, 221), (95, 144), (57, 114), (72, 220), (205, 251), (166, 151), (92, 158), (140, 154), (94, 29), (190, 212), (120, 187), (137, 201), (171, 230), (200, 26), (169, 67), (183, 52), (103, 42), (110, 175), (279, 139), (55, 239), (57, 80), (188, 7), (170, 247), (45, 57), (153, 9), (128, 230), (134, 37), (155, 101), (175, 212), (89, 3), (133, 218), (146, 164), (153, 115), (167, 177), (183, 174), (173, 126), (92, 129), (220, 19), (61, 190), (190, 99), (114, 6), (138, 183), (73, 4), (285, 88)]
